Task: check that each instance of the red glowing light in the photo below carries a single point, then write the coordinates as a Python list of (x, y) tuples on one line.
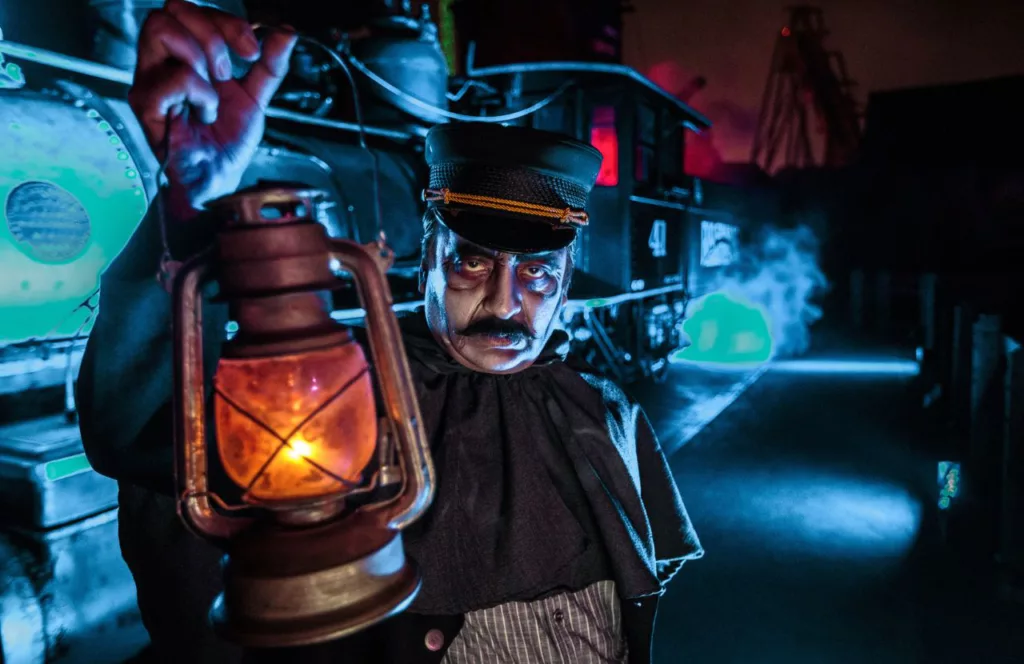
[(785, 32), (604, 138)]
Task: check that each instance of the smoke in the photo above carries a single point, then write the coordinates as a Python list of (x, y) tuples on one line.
[(780, 272)]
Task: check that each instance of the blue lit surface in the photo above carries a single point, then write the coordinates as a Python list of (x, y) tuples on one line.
[(852, 366), (842, 517)]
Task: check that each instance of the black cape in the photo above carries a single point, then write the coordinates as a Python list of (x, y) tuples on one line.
[(124, 390), (529, 465)]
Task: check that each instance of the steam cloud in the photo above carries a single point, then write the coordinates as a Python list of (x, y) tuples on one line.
[(780, 272)]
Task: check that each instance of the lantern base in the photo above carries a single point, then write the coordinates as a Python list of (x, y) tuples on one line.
[(278, 591)]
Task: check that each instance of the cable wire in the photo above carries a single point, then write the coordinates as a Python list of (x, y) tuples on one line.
[(508, 117)]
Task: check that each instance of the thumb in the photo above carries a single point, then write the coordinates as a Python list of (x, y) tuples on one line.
[(266, 74)]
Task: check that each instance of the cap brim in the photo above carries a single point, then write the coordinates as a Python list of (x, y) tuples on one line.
[(510, 234)]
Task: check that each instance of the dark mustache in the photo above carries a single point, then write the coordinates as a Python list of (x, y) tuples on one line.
[(494, 327)]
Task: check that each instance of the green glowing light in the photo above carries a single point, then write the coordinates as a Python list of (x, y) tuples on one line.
[(14, 71), (104, 126), (726, 329), (599, 302), (949, 482), (66, 467), (114, 140), (91, 189)]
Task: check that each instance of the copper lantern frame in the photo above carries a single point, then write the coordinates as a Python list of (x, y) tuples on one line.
[(306, 571)]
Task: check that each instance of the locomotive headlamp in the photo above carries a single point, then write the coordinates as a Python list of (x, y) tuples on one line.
[(329, 473)]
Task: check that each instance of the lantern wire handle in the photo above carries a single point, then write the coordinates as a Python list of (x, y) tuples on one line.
[(381, 238), (168, 266)]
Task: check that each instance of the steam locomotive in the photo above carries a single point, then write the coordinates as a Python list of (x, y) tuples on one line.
[(76, 178)]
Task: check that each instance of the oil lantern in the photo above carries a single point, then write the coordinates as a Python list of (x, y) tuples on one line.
[(325, 447)]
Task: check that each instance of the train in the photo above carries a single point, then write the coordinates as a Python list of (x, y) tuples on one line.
[(76, 178)]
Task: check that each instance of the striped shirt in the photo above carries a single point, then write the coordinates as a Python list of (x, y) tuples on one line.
[(582, 627)]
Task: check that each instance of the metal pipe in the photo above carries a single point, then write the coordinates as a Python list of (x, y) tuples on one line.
[(571, 305), (659, 203), (598, 302), (66, 62), (604, 343), (301, 118), (356, 314), (114, 75), (697, 123)]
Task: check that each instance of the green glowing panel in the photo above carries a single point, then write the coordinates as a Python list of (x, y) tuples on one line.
[(726, 329), (66, 467), (71, 197)]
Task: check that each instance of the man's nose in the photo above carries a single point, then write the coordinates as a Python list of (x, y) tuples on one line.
[(504, 299)]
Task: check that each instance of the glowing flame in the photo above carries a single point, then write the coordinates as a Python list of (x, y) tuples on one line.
[(298, 449)]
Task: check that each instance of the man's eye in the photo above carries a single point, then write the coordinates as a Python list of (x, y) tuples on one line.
[(534, 272), (472, 265)]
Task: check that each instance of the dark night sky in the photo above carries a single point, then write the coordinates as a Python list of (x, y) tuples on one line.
[(887, 44)]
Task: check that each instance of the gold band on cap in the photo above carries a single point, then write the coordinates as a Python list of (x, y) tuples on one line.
[(566, 216)]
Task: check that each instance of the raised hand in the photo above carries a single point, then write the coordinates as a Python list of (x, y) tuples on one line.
[(196, 116)]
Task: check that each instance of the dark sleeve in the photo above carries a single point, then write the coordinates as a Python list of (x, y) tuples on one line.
[(675, 540), (125, 380)]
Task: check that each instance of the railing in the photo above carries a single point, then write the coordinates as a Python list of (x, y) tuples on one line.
[(972, 384), (894, 304), (39, 365), (1010, 553)]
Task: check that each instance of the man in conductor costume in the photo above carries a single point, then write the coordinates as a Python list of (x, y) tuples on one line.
[(556, 522)]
